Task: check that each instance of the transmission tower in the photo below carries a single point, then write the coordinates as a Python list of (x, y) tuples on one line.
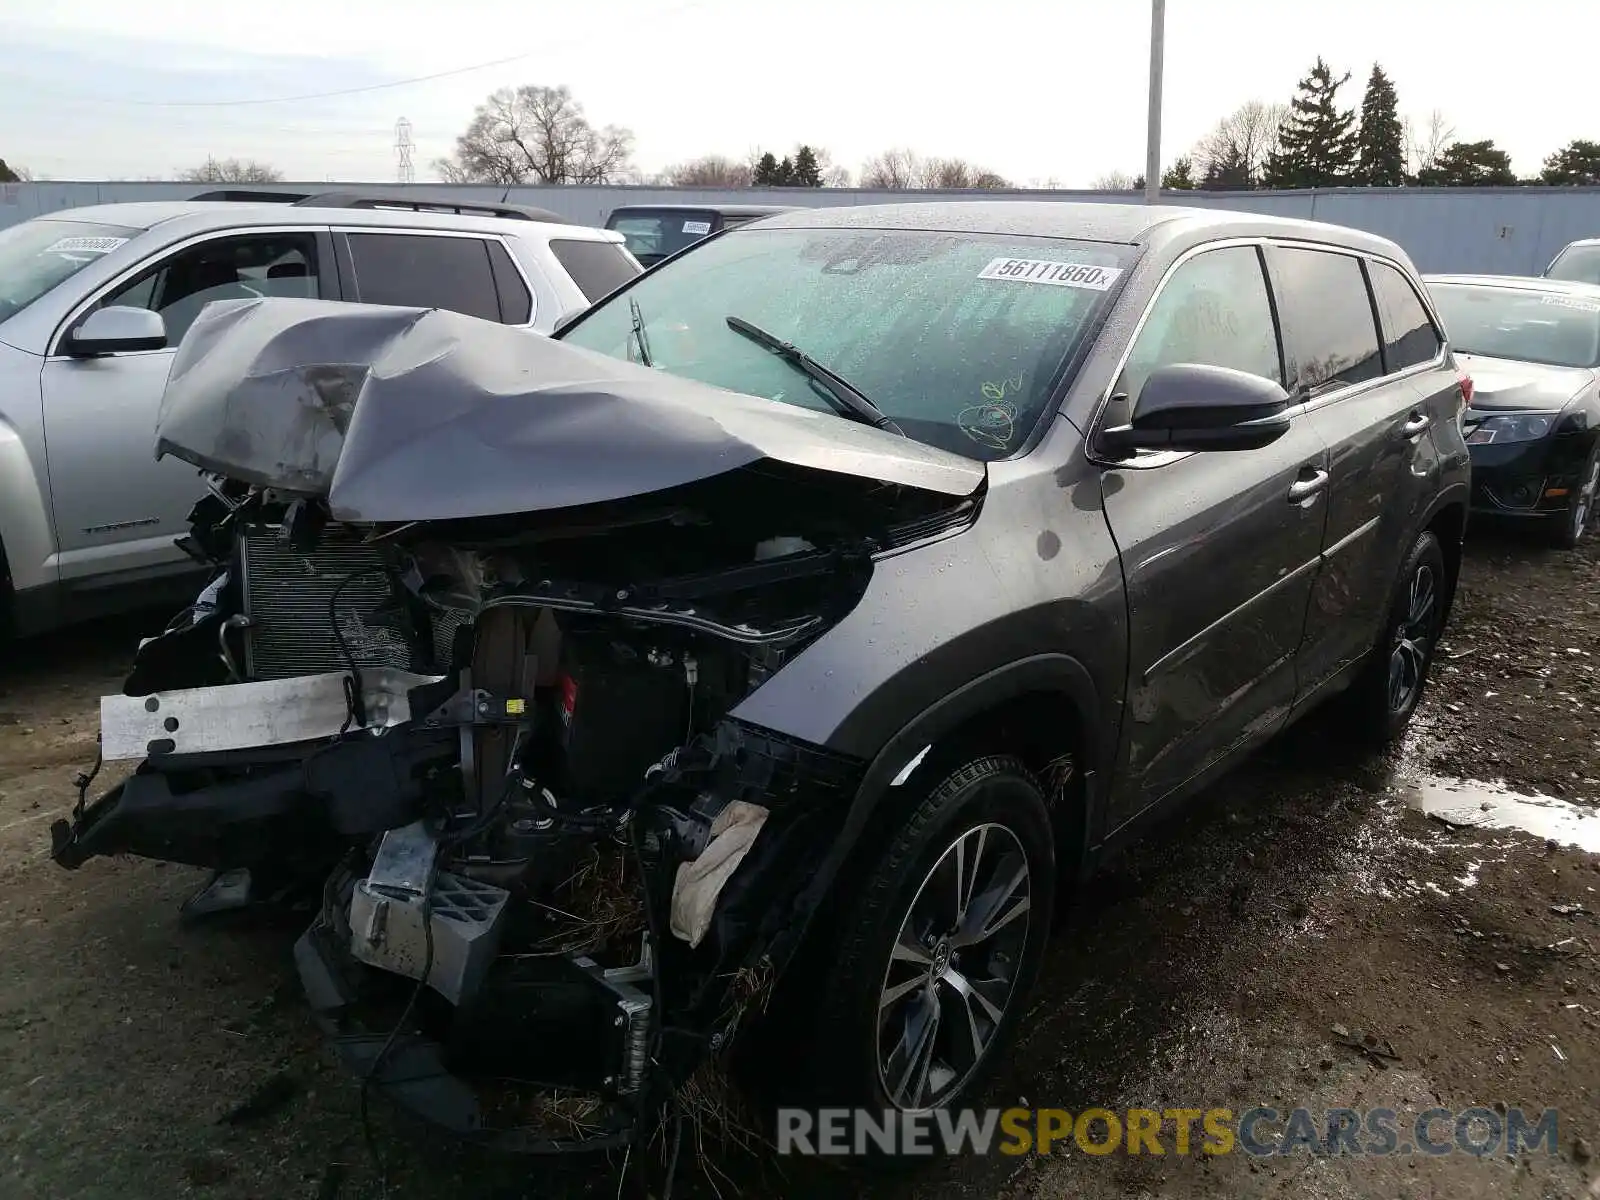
[(403, 145)]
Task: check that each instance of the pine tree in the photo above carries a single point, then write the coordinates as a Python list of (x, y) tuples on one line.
[(1179, 176), (1230, 173), (807, 171), (766, 172), (1381, 140), (1577, 162), (1318, 143)]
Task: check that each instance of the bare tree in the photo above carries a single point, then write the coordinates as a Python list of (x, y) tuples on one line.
[(893, 170), (897, 170), (1115, 181), (712, 170), (1246, 137), (231, 170), (1425, 143), (536, 134)]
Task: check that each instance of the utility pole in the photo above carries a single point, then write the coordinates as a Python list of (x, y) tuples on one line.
[(1152, 146)]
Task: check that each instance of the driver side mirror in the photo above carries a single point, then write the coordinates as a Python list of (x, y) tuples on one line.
[(1191, 406), (116, 329)]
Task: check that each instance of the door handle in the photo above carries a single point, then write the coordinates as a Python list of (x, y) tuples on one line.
[(1415, 424), (1302, 490)]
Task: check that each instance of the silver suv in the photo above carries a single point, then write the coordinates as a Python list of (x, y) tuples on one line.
[(93, 302)]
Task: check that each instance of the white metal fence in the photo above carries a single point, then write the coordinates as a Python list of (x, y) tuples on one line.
[(1500, 230)]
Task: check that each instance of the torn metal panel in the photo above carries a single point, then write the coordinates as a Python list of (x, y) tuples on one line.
[(433, 416), (242, 716)]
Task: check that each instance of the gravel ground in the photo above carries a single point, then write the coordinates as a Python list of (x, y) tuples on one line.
[(1237, 957)]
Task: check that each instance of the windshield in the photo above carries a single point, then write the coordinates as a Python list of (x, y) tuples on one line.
[(652, 236), (1578, 263), (1527, 326), (37, 255), (956, 337)]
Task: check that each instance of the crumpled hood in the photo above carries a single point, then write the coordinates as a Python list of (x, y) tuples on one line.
[(399, 414), (1499, 383)]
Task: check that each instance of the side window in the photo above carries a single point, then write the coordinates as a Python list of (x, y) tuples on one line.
[(229, 268), (516, 305), (424, 271), (1330, 315), (598, 268), (1214, 311), (1409, 338)]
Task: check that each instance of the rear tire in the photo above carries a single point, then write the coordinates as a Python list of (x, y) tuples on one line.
[(1385, 697), (945, 939)]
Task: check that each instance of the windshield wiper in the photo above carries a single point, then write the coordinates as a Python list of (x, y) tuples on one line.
[(638, 333), (845, 396)]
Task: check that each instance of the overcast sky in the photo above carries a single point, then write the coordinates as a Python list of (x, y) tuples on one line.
[(1035, 89)]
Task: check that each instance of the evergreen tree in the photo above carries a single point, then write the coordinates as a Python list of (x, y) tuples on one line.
[(1469, 164), (1577, 162), (807, 171), (773, 172), (1318, 142), (1230, 173), (7, 175), (1381, 141), (1179, 176)]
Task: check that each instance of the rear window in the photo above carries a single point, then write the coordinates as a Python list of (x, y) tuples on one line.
[(651, 236), (1522, 325), (598, 268), (1336, 339), (1580, 264), (37, 256), (424, 271), (1409, 338)]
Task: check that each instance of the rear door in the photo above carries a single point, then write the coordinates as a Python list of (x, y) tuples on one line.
[(1219, 550), (117, 509), (1366, 355)]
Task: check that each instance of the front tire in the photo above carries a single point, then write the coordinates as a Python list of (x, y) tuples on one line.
[(1580, 514), (937, 957), (1392, 683)]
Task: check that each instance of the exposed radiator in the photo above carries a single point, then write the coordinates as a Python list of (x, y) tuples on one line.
[(287, 596)]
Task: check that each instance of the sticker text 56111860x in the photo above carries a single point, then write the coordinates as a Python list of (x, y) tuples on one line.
[(1057, 274)]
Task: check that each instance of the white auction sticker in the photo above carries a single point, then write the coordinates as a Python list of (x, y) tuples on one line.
[(1057, 274), (700, 227), (1572, 302), (85, 245)]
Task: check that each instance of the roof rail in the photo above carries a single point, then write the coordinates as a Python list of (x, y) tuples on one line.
[(252, 196), (467, 208)]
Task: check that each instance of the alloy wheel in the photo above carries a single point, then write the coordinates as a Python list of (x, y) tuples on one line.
[(953, 968), (1583, 503), (1413, 639)]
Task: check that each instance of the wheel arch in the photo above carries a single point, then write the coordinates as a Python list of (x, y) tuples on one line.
[(1447, 520), (1035, 709)]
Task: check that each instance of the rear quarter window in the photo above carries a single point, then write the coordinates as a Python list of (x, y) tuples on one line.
[(598, 268), (1409, 336)]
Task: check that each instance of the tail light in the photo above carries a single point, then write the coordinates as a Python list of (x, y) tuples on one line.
[(1466, 390)]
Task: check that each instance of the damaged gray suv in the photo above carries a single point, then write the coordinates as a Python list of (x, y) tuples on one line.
[(795, 626)]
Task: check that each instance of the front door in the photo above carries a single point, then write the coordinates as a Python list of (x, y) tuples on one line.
[(118, 510), (1219, 550), (1365, 389)]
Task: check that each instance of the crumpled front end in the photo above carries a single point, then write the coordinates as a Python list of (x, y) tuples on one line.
[(549, 872)]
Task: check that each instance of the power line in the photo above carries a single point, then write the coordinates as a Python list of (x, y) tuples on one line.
[(351, 91)]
